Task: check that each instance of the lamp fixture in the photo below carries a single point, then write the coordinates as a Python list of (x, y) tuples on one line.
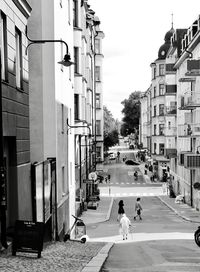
[(66, 60), (86, 126)]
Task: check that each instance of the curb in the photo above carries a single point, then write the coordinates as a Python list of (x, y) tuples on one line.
[(97, 262), (177, 213)]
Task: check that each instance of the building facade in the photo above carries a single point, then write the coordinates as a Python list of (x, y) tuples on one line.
[(15, 133), (51, 107), (175, 124)]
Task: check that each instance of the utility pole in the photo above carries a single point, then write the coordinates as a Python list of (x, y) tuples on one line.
[(2, 173)]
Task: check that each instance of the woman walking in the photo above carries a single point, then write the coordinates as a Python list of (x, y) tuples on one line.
[(120, 209), (124, 225)]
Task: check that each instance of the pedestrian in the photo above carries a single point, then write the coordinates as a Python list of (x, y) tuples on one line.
[(138, 209), (136, 175), (124, 225), (120, 209)]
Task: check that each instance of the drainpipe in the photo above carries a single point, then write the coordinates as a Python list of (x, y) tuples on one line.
[(2, 174)]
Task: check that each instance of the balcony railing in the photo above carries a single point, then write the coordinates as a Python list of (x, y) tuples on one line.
[(189, 130), (193, 67), (171, 110), (192, 161), (170, 153), (170, 131), (189, 101)]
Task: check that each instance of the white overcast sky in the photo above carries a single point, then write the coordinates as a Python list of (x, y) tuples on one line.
[(134, 31)]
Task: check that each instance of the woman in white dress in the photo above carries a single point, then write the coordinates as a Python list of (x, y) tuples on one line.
[(124, 225)]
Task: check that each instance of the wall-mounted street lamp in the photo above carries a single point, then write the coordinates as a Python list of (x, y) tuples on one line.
[(79, 126), (66, 60)]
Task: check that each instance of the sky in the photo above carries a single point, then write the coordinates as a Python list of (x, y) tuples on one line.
[(134, 32)]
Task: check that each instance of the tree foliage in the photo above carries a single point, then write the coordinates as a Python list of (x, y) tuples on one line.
[(110, 129), (131, 113)]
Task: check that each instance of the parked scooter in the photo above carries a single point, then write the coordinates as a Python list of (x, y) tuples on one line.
[(197, 236), (77, 222)]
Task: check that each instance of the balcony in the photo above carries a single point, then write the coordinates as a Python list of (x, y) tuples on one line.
[(190, 101), (193, 67), (192, 161), (171, 110), (181, 157), (170, 131), (189, 130), (170, 153)]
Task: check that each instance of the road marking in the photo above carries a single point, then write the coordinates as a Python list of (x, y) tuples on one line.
[(131, 194)]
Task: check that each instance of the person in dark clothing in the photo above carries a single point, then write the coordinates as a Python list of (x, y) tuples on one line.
[(120, 209), (138, 209)]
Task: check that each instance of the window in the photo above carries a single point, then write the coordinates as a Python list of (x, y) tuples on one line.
[(154, 91), (76, 106), (18, 61), (161, 109), (76, 60), (98, 127), (97, 46), (75, 13), (98, 151), (161, 69), (154, 148), (154, 129), (97, 73), (98, 105), (154, 72), (3, 44), (69, 15), (63, 181), (161, 149), (154, 111), (161, 89), (161, 129)]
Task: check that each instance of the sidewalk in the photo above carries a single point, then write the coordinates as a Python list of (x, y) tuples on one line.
[(183, 210), (101, 214)]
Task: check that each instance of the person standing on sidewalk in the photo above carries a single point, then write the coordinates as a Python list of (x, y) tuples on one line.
[(124, 225), (138, 209), (120, 209)]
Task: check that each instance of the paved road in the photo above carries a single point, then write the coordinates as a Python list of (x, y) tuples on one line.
[(162, 241)]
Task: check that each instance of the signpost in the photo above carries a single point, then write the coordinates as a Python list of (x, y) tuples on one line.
[(28, 237)]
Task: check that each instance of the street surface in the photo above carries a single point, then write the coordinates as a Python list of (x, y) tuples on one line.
[(162, 241)]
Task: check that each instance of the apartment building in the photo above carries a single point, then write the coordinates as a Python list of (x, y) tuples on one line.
[(187, 170), (51, 109), (88, 127), (179, 128), (163, 107), (15, 139)]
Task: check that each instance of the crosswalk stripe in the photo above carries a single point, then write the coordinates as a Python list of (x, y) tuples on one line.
[(131, 194)]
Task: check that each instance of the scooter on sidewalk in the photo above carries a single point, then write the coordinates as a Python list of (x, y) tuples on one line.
[(80, 231), (197, 236)]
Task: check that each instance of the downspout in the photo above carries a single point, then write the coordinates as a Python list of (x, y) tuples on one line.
[(2, 174)]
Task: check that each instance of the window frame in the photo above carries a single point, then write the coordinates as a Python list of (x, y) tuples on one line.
[(19, 58)]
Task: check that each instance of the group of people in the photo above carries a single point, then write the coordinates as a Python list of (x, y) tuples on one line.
[(124, 221)]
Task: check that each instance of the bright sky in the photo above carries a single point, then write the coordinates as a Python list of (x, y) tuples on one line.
[(134, 32)]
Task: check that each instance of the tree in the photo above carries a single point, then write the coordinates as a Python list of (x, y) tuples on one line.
[(131, 113), (110, 129)]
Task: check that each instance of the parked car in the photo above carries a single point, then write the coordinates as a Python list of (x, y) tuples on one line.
[(112, 156)]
